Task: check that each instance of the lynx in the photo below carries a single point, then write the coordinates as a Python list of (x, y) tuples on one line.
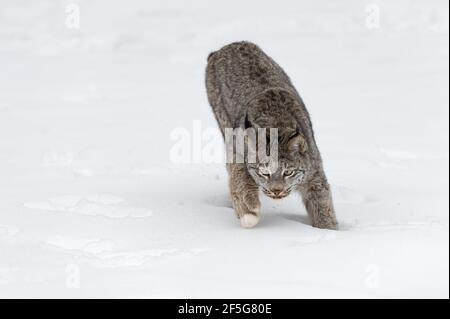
[(247, 89)]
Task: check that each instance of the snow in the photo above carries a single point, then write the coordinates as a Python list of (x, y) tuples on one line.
[(92, 206)]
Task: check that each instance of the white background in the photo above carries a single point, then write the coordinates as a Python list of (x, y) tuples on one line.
[(92, 206)]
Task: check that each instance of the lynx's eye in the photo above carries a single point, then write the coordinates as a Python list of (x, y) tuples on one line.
[(289, 173), (263, 173)]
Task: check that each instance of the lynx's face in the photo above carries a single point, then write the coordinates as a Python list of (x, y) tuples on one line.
[(278, 181)]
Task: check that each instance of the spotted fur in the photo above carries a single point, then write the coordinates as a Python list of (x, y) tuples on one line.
[(246, 88)]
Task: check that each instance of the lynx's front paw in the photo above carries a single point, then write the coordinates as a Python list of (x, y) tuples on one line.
[(247, 208), (249, 220), (249, 217), (325, 219), (326, 223)]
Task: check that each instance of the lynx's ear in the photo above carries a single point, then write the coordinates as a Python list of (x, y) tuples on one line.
[(297, 143)]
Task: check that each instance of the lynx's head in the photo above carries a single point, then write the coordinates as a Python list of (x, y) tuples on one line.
[(277, 179)]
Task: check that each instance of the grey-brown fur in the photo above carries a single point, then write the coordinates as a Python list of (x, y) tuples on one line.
[(246, 88)]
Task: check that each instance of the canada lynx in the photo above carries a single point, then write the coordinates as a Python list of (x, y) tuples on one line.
[(246, 88)]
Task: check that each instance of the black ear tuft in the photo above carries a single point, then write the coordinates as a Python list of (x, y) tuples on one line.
[(247, 123)]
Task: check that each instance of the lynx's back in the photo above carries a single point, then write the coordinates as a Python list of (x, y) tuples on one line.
[(242, 80), (238, 72)]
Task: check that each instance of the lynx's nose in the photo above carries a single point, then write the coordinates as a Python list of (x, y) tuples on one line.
[(277, 189)]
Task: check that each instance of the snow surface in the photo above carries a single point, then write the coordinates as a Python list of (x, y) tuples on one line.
[(92, 206)]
